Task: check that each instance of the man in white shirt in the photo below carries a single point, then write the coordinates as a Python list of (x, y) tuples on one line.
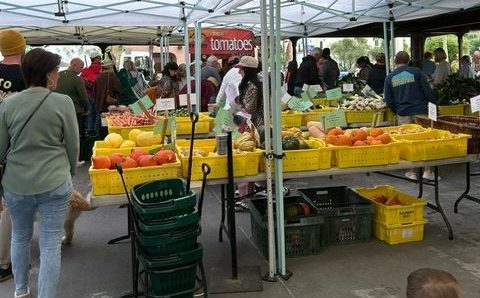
[(229, 87)]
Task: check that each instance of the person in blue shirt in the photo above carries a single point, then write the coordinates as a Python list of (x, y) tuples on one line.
[(407, 93), (428, 66)]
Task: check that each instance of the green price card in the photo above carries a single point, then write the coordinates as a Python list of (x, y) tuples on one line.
[(157, 129), (137, 110), (306, 102), (335, 93), (296, 103), (147, 103), (334, 119)]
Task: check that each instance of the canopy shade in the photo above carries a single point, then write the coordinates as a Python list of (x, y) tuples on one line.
[(138, 21)]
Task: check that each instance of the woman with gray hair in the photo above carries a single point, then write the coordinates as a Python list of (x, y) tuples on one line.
[(443, 70), (137, 79)]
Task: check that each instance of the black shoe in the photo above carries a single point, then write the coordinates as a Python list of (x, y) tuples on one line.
[(6, 274)]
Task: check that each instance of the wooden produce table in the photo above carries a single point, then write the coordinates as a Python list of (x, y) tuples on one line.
[(109, 200)]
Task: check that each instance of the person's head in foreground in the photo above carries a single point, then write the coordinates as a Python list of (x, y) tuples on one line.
[(40, 68), (432, 283)]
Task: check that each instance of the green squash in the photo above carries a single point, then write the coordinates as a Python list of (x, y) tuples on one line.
[(290, 143)]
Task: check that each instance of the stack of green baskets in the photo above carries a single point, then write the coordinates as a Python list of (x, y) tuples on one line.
[(167, 226)]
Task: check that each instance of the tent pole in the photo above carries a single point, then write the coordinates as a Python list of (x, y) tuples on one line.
[(150, 56), (268, 162), (187, 64), (167, 50), (162, 63), (385, 48), (392, 31), (277, 143), (198, 62)]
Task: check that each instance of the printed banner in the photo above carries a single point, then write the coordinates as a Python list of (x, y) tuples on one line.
[(224, 42)]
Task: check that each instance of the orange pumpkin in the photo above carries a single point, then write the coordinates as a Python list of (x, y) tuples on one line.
[(331, 139), (335, 131), (128, 162), (146, 161), (358, 135), (101, 162), (135, 154), (375, 132), (384, 138), (165, 156), (116, 158), (343, 140), (376, 142), (359, 143)]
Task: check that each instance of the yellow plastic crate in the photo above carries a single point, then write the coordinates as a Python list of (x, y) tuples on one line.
[(325, 102), (394, 130), (315, 115), (100, 148), (451, 110), (243, 164), (362, 116), (389, 115), (184, 127), (409, 212), (396, 234), (468, 111), (108, 182), (197, 143), (428, 146), (305, 160), (292, 119), (364, 156)]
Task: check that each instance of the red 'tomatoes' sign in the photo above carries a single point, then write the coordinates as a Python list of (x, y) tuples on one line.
[(225, 42)]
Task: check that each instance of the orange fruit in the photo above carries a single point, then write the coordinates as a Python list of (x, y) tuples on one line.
[(359, 143), (335, 131), (375, 132), (358, 135), (101, 162), (331, 139), (343, 140), (384, 138)]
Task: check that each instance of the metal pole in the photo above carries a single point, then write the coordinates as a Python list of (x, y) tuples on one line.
[(150, 56), (162, 63), (167, 50), (198, 66), (268, 162), (277, 145), (230, 207), (392, 32), (187, 63), (385, 47)]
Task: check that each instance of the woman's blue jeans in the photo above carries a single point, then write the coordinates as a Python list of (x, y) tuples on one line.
[(52, 206)]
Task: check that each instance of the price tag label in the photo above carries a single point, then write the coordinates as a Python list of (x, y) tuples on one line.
[(296, 104), (347, 87), (183, 99), (334, 93), (306, 102), (432, 111), (305, 87), (146, 102), (165, 104), (475, 103), (316, 88), (334, 119), (286, 97), (284, 90)]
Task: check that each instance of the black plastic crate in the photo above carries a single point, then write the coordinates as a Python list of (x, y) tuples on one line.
[(303, 233), (347, 215)]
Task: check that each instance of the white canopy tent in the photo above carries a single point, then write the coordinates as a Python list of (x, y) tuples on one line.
[(137, 21)]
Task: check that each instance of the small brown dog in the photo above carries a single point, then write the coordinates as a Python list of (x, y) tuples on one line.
[(77, 205)]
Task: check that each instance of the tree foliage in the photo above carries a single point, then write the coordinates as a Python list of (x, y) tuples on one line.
[(348, 50), (431, 43)]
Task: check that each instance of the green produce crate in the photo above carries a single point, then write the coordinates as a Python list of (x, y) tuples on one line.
[(168, 275), (303, 233), (347, 215), (169, 242), (162, 199), (184, 221)]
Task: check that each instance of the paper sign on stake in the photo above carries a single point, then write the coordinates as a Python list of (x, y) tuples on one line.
[(432, 111), (286, 97), (316, 88), (165, 104), (305, 87), (284, 90), (183, 99), (137, 110), (334, 93), (296, 104), (475, 103), (147, 103), (334, 119), (348, 87), (306, 102), (311, 93)]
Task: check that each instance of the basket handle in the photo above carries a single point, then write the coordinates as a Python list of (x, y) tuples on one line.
[(346, 210)]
